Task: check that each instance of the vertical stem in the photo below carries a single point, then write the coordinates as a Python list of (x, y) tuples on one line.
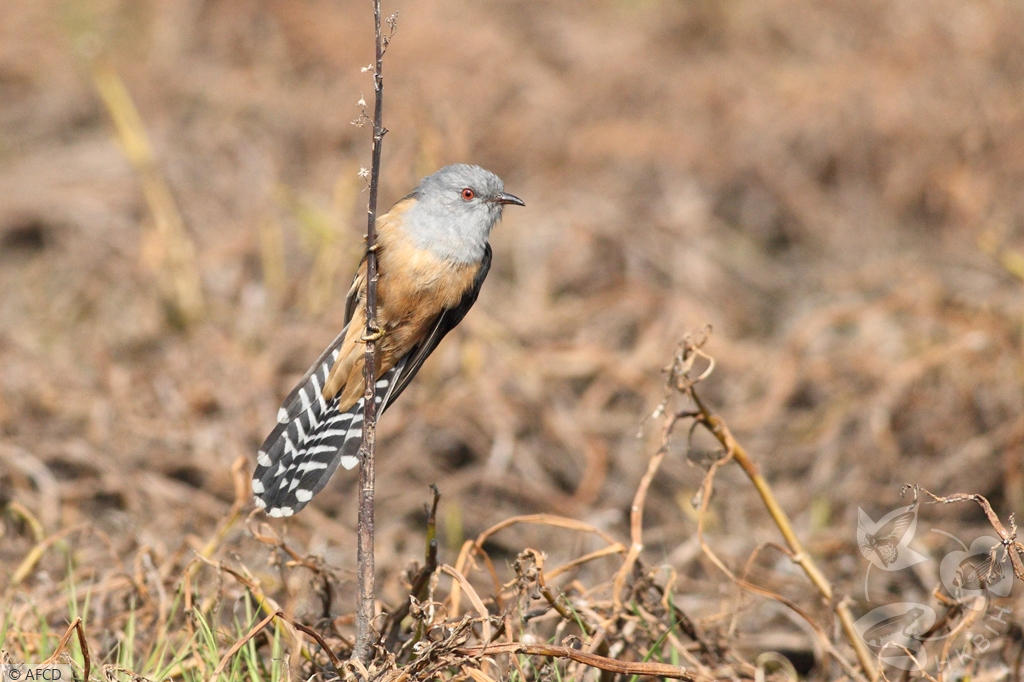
[(363, 649), (721, 432)]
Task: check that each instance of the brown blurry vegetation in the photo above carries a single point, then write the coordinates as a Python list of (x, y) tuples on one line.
[(835, 188)]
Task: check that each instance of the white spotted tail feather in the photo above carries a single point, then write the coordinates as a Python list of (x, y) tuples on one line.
[(311, 439)]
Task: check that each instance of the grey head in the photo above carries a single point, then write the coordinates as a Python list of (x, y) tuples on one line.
[(455, 209)]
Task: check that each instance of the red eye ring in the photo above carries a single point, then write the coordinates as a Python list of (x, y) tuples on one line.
[(468, 194)]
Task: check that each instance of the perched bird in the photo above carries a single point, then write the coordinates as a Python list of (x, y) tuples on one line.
[(432, 257)]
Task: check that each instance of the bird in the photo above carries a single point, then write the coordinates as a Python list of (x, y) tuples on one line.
[(433, 255)]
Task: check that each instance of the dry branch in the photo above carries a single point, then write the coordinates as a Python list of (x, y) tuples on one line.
[(610, 664), (253, 631), (174, 252), (1008, 538), (367, 451), (419, 582), (74, 627), (679, 378)]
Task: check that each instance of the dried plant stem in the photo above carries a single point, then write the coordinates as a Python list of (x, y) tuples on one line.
[(173, 254), (472, 548), (239, 471), (256, 629), (253, 631), (721, 432), (420, 583), (36, 553), (1008, 538), (636, 512), (255, 589), (364, 553), (74, 627), (647, 668)]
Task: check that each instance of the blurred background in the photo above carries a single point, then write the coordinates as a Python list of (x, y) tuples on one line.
[(835, 189)]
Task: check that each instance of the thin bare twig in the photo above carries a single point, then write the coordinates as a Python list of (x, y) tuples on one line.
[(1008, 538), (593, 660), (364, 553), (419, 583), (636, 512), (36, 553), (680, 377), (721, 432), (170, 250), (338, 665), (473, 597), (76, 627), (253, 631), (972, 611), (263, 601), (471, 548), (559, 602)]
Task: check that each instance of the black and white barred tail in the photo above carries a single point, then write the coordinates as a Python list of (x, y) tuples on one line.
[(311, 439)]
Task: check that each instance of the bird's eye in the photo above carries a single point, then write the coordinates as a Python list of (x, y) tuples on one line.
[(468, 194)]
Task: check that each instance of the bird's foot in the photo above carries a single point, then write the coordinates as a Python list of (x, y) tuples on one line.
[(375, 334)]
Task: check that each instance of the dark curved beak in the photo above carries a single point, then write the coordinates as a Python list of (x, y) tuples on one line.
[(506, 198)]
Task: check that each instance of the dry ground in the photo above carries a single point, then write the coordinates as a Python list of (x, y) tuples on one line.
[(835, 188)]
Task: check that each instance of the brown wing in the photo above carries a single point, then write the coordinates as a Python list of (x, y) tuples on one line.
[(446, 321), (345, 378)]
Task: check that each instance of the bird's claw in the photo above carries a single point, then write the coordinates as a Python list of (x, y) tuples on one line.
[(374, 335)]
